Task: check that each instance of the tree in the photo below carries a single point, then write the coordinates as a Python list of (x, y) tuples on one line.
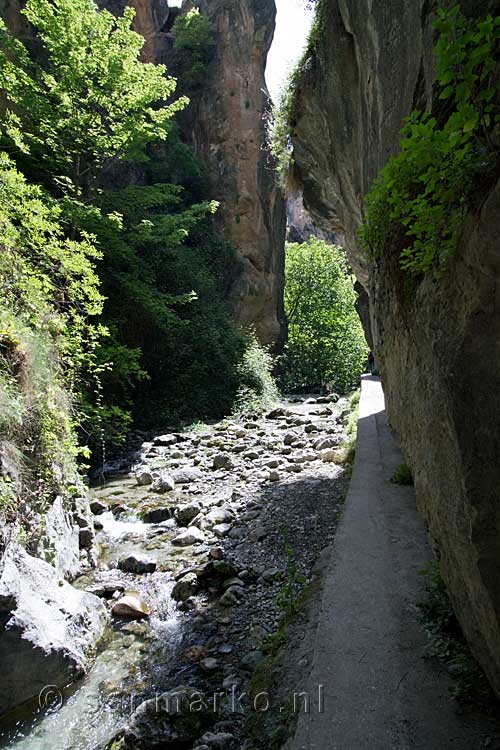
[(326, 344), (83, 100)]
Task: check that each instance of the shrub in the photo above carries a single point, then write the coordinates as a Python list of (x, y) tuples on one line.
[(326, 344), (257, 391), (403, 475)]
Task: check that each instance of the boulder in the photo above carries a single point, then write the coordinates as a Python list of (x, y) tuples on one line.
[(185, 587), (130, 606), (137, 565), (172, 720), (157, 515), (187, 475), (165, 440), (186, 513), (49, 629), (97, 507), (222, 461), (187, 538), (144, 478), (163, 483)]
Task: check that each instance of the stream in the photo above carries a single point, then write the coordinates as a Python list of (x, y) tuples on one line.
[(237, 484)]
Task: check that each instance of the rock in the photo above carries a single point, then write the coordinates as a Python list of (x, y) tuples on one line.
[(119, 509), (172, 720), (222, 461), (216, 553), (210, 664), (98, 525), (312, 428), (273, 463), (164, 483), (252, 455), (165, 440), (221, 530), (219, 740), (274, 476), (276, 413), (218, 516), (86, 538), (271, 574), (187, 475), (237, 532), (330, 456), (325, 443), (251, 661), (187, 605), (228, 599), (290, 438), (49, 629), (130, 606), (106, 590), (187, 513), (137, 565), (257, 534), (186, 587), (144, 478), (97, 507), (190, 536), (157, 515)]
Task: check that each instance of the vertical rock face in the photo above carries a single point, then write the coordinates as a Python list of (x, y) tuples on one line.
[(438, 349), (225, 123)]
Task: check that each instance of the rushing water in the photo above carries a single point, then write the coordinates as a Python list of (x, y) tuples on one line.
[(132, 658)]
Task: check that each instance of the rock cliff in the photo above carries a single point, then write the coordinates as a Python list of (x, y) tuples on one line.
[(438, 349), (225, 123)]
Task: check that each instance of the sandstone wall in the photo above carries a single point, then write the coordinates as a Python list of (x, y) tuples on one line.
[(438, 349)]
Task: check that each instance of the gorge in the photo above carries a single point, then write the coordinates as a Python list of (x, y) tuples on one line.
[(187, 523)]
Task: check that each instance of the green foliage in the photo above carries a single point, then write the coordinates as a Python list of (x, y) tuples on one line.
[(326, 344), (446, 642), (192, 40), (421, 195), (257, 390), (90, 101), (403, 475), (289, 597)]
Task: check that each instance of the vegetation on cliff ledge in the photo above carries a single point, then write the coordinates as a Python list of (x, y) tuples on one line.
[(421, 196)]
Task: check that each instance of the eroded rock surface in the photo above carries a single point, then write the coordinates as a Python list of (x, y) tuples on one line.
[(438, 348), (48, 629)]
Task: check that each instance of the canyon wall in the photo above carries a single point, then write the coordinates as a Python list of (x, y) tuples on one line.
[(438, 349), (225, 124)]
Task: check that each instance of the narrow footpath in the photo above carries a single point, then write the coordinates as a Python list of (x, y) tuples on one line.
[(377, 691)]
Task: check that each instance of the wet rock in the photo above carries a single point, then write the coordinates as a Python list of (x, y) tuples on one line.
[(86, 538), (187, 475), (237, 532), (229, 599), (119, 509), (137, 565), (190, 536), (274, 476), (164, 483), (172, 720), (97, 507), (144, 478), (157, 515), (130, 606), (187, 513), (186, 587), (290, 438), (106, 590), (273, 463), (222, 461), (49, 628)]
